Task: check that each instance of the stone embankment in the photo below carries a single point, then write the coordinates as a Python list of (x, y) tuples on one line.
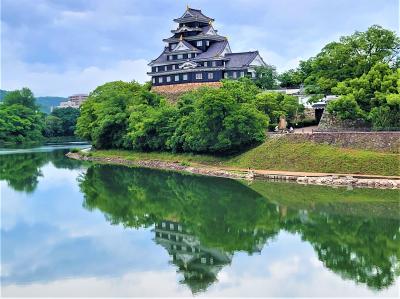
[(364, 181)]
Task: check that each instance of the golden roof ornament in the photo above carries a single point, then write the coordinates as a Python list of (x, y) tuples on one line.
[(187, 6), (181, 37)]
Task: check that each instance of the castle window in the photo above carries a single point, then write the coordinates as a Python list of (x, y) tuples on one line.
[(189, 55), (165, 68), (185, 77), (173, 46), (160, 81), (168, 79), (205, 63), (207, 43), (199, 76), (234, 75), (241, 74), (177, 78), (180, 56), (214, 63), (173, 66), (171, 226), (226, 75), (162, 224), (156, 68), (203, 260), (154, 80), (199, 43), (179, 227), (210, 75), (169, 57)]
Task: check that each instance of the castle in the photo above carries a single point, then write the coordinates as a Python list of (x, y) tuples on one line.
[(197, 55)]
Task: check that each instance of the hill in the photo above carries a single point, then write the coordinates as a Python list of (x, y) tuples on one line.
[(45, 103)]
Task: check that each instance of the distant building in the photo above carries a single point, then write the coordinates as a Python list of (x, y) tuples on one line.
[(197, 55), (74, 101)]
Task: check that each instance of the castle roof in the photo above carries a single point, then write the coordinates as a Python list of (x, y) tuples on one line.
[(239, 60), (213, 51), (193, 15)]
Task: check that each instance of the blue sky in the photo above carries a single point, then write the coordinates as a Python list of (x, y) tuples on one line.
[(60, 47)]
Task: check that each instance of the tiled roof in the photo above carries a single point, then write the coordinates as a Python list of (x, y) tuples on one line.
[(162, 58), (192, 48), (237, 60), (196, 14), (214, 50)]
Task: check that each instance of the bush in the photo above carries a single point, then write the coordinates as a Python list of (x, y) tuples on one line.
[(75, 150)]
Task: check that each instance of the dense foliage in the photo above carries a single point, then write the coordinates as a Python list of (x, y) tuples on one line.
[(277, 104), (266, 77), (362, 69), (350, 57), (373, 96), (61, 122), (20, 121), (209, 120)]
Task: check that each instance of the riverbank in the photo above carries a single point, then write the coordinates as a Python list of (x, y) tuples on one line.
[(219, 167)]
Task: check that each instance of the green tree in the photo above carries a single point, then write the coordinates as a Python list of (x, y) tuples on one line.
[(22, 97), (276, 104), (68, 117), (290, 79), (104, 116), (350, 57), (266, 77), (373, 96), (53, 126), (151, 126), (214, 120), (20, 124)]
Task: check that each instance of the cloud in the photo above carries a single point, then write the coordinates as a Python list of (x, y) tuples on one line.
[(45, 81)]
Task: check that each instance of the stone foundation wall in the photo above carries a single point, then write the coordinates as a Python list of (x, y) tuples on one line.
[(173, 91), (330, 122), (377, 141)]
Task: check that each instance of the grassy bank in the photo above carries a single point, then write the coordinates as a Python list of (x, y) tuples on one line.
[(284, 154)]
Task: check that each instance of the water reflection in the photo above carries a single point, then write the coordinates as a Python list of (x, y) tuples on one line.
[(21, 168), (203, 222)]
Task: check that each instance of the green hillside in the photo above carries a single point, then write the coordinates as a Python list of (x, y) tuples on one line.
[(45, 103)]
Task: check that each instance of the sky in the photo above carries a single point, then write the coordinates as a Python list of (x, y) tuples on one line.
[(63, 47)]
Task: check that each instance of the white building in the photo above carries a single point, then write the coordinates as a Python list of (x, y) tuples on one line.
[(74, 101)]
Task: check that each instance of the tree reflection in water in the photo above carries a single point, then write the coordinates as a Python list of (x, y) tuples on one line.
[(202, 222), (22, 171)]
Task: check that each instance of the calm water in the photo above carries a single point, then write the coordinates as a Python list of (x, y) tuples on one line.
[(75, 229)]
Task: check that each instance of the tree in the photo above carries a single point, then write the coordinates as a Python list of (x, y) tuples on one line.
[(373, 96), (214, 121), (150, 127), (104, 116), (290, 79), (53, 126), (266, 77), (276, 104), (346, 107), (22, 97), (349, 58), (68, 117)]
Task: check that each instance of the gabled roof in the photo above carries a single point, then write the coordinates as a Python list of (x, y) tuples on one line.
[(238, 60), (213, 51), (191, 15), (184, 46)]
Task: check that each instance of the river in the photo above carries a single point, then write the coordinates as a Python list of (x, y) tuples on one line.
[(71, 228)]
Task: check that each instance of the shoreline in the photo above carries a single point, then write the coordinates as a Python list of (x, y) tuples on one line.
[(328, 179)]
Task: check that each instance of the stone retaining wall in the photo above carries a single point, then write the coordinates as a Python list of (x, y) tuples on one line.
[(377, 141), (173, 91)]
